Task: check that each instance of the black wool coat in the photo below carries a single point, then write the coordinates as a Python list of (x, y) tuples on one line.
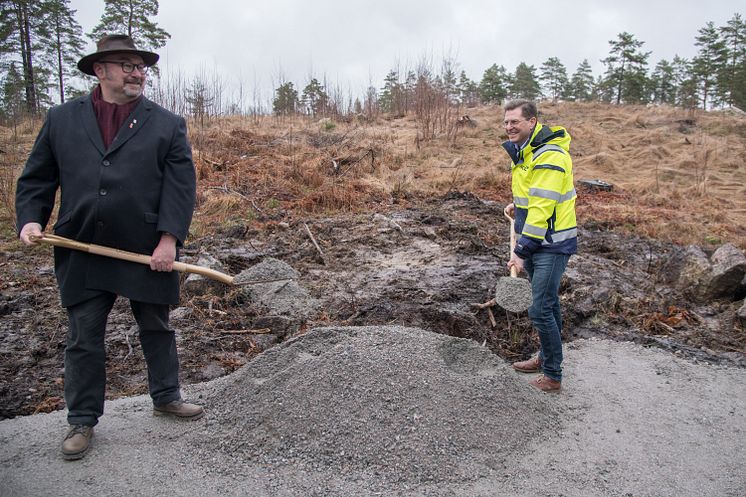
[(124, 197)]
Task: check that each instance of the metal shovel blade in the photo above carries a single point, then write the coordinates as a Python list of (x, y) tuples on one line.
[(513, 294)]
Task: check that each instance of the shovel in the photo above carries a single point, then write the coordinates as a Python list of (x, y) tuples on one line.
[(60, 241), (513, 293)]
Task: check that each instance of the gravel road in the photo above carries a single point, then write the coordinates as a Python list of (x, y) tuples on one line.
[(400, 411)]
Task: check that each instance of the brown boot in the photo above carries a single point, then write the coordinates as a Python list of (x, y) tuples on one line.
[(530, 366), (545, 384), (77, 441), (179, 409)]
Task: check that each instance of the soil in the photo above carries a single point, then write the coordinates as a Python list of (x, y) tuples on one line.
[(423, 263)]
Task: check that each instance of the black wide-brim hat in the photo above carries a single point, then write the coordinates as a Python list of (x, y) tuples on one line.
[(112, 44)]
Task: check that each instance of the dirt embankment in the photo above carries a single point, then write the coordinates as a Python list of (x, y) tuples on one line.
[(423, 266)]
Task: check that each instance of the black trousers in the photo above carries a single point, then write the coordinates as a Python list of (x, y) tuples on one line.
[(85, 356)]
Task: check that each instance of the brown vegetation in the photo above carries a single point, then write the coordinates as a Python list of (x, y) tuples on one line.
[(678, 176)]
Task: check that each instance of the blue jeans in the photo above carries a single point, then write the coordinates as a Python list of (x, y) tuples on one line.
[(545, 271)]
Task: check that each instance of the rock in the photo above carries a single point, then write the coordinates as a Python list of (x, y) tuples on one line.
[(46, 271), (387, 222), (671, 266), (696, 274), (179, 313), (265, 340), (589, 301), (728, 270), (273, 286), (196, 284), (280, 325), (211, 371), (741, 313)]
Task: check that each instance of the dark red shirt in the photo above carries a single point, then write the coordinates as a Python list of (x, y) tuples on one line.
[(110, 117)]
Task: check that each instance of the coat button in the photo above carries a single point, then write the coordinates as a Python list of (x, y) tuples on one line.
[(102, 191), (100, 224), (106, 163)]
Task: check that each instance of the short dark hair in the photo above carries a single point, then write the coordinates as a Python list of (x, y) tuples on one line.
[(528, 108)]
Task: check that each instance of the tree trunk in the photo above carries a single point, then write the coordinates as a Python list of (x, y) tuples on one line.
[(28, 66)]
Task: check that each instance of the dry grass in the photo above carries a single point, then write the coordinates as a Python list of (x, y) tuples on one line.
[(678, 175)]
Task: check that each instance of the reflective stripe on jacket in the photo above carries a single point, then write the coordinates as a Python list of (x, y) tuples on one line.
[(544, 193)]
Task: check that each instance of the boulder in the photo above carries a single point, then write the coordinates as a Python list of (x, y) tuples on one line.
[(196, 284), (696, 274), (272, 285), (728, 270)]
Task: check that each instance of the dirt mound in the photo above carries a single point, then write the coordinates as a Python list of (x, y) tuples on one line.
[(400, 404)]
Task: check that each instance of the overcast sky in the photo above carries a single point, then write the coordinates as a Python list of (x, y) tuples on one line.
[(352, 42)]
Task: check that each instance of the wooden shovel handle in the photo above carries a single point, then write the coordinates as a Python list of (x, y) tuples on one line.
[(513, 269), (91, 248)]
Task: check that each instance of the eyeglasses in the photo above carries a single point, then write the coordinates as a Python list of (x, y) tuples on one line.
[(127, 67), (513, 122)]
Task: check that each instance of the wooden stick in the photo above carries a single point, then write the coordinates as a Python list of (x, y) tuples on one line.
[(489, 303), (91, 248), (492, 318), (308, 230)]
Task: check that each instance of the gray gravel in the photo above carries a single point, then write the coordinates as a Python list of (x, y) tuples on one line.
[(400, 403), (630, 421), (513, 294)]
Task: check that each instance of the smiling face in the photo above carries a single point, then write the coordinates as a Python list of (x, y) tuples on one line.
[(118, 86), (517, 126)]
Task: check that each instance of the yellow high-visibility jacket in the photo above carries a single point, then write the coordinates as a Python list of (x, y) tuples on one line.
[(544, 193)]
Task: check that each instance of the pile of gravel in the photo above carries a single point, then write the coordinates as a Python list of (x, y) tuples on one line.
[(399, 404)]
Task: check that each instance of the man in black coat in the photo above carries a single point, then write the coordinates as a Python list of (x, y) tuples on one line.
[(124, 169)]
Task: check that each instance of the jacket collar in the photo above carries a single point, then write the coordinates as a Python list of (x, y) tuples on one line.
[(130, 128)]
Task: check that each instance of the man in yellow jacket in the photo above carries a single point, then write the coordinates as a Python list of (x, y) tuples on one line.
[(544, 210)]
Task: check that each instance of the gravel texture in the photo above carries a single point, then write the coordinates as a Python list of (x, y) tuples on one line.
[(513, 294), (629, 421), (401, 403)]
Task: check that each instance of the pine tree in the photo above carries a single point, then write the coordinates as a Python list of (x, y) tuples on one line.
[(493, 88), (732, 86), (23, 39), (710, 62), (663, 83), (554, 76), (626, 69), (67, 40), (392, 94), (686, 83), (13, 95), (448, 83), (314, 99), (603, 90), (525, 84), (286, 100), (132, 17), (581, 84), (468, 90)]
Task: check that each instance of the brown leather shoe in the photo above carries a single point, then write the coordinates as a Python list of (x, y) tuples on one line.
[(530, 366), (179, 409), (546, 385), (77, 442)]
